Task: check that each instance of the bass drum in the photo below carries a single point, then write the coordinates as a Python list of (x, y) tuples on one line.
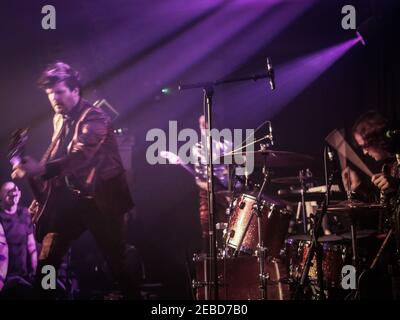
[(238, 279)]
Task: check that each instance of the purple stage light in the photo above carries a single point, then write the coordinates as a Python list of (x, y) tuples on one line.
[(368, 31), (226, 49), (291, 79), (360, 38), (295, 77)]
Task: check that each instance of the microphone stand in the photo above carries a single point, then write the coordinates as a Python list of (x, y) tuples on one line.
[(211, 272), (212, 265)]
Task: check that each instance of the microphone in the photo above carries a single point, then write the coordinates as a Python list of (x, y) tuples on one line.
[(270, 74), (392, 134), (270, 137), (331, 155)]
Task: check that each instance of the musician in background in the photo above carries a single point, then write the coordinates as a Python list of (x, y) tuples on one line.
[(18, 255), (83, 161), (220, 181), (369, 133)]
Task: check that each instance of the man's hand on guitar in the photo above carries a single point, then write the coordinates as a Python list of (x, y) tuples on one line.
[(34, 208), (29, 167)]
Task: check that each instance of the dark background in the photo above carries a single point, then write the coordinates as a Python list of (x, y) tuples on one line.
[(127, 51)]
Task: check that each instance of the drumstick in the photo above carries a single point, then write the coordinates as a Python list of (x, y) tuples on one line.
[(337, 141), (342, 155)]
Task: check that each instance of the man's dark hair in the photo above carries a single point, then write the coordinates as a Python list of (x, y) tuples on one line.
[(58, 72), (372, 127)]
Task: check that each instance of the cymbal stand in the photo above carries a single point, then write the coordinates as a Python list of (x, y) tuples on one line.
[(315, 247), (263, 277), (304, 178)]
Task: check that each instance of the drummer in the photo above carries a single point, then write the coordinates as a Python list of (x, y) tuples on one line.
[(369, 133)]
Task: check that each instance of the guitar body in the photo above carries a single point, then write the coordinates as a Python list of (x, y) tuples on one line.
[(41, 191), (50, 206)]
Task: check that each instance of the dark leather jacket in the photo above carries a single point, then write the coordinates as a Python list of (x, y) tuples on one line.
[(92, 162)]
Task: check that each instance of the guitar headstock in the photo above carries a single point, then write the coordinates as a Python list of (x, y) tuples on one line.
[(16, 147)]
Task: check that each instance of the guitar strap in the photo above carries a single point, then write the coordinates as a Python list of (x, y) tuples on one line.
[(53, 143)]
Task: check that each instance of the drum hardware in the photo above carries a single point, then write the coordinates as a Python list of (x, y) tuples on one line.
[(239, 278), (205, 283), (304, 178), (312, 194), (221, 226), (257, 209), (258, 206), (334, 256), (355, 209), (394, 269), (315, 247), (274, 158)]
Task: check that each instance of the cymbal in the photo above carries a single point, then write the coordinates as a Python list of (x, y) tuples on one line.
[(272, 158), (266, 197), (286, 180), (307, 237), (360, 234), (351, 206), (293, 180), (312, 194)]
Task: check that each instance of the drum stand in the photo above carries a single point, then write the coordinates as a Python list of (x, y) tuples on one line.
[(262, 250), (304, 178), (315, 247), (257, 211)]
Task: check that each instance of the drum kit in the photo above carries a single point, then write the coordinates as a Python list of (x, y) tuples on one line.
[(270, 250)]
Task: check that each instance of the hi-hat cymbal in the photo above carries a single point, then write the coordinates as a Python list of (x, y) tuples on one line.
[(312, 194), (272, 158), (360, 234), (352, 206), (291, 181), (325, 238)]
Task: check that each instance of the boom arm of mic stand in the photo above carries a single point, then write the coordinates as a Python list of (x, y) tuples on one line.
[(208, 84)]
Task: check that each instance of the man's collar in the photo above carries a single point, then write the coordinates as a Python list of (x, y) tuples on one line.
[(73, 113)]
